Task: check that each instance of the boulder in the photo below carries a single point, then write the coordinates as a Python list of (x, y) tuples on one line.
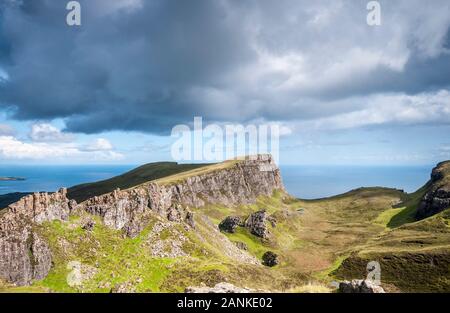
[(230, 223), (360, 286), (270, 259), (257, 224)]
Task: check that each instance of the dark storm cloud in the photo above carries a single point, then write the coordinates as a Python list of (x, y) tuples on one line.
[(147, 65)]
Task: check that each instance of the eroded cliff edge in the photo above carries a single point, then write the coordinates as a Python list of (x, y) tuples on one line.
[(437, 198), (25, 256)]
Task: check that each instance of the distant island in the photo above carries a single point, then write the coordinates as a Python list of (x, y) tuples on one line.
[(11, 178)]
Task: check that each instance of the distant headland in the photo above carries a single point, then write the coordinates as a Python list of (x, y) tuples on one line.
[(11, 178)]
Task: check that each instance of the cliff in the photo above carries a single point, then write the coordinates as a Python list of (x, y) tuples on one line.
[(437, 198), (25, 256), (227, 184)]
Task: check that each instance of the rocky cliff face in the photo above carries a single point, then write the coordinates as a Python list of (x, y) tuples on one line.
[(437, 198), (25, 256), (241, 183)]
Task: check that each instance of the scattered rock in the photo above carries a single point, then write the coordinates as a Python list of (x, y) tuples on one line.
[(359, 286), (165, 241), (79, 273), (190, 219), (126, 287), (241, 245), (270, 259), (219, 288), (89, 225), (173, 214), (230, 223), (256, 224)]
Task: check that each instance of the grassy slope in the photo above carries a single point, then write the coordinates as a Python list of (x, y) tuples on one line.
[(414, 256), (130, 179), (318, 241), (118, 260), (182, 175)]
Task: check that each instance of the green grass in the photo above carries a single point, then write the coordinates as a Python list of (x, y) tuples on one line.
[(327, 274), (407, 210), (116, 259), (255, 246), (200, 170), (329, 239), (414, 256), (385, 217)]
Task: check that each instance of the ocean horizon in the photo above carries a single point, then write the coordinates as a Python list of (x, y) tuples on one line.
[(314, 182), (306, 182)]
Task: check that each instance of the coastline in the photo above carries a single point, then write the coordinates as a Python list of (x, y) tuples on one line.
[(12, 178)]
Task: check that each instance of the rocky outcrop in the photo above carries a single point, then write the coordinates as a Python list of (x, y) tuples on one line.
[(24, 255), (270, 259), (240, 183), (360, 286), (230, 224), (437, 197), (257, 224)]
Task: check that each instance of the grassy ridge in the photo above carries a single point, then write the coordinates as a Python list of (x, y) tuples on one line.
[(140, 175)]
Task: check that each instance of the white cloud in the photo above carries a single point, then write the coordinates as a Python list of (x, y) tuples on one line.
[(49, 142), (48, 133), (400, 109), (12, 148), (100, 144)]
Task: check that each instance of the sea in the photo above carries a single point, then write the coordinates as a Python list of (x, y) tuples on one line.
[(306, 182)]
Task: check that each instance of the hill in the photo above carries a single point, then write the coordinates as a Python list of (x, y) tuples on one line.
[(129, 179), (9, 198), (216, 223)]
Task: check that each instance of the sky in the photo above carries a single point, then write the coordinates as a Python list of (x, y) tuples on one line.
[(112, 89)]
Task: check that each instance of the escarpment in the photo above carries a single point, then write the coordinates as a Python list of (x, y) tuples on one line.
[(25, 255), (437, 197), (240, 183)]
